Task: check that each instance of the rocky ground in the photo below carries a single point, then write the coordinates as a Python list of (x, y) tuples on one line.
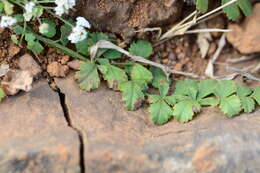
[(56, 127)]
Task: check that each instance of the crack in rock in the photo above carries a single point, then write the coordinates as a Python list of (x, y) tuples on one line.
[(70, 124)]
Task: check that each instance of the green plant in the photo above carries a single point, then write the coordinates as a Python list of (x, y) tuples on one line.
[(133, 79), (232, 11)]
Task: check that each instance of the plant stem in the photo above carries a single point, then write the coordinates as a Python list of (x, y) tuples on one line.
[(60, 18), (122, 63), (61, 47)]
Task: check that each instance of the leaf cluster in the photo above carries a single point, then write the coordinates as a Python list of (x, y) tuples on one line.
[(232, 11)]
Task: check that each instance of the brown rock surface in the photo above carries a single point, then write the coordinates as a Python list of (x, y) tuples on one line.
[(35, 137), (123, 16), (120, 141), (246, 36)]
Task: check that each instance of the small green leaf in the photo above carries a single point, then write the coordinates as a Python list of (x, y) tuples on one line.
[(112, 54), (132, 95), (256, 95), (141, 48), (18, 30), (225, 88), (113, 75), (243, 92), (209, 101), (248, 104), (83, 46), (171, 100), (161, 112), (2, 94), (245, 6), (51, 29), (87, 77), (202, 5), (19, 17), (230, 105), (206, 88), (232, 10), (140, 73), (159, 77), (29, 37), (184, 110), (187, 88), (35, 46)]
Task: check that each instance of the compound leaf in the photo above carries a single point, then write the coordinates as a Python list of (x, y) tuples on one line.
[(87, 77)]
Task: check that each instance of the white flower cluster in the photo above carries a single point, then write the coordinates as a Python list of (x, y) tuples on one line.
[(7, 21), (78, 32), (29, 8), (63, 6)]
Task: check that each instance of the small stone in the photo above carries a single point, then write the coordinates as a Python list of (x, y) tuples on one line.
[(64, 59), (26, 62), (75, 64), (13, 50), (56, 69), (245, 37)]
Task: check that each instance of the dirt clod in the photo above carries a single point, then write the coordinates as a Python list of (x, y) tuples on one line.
[(56, 69)]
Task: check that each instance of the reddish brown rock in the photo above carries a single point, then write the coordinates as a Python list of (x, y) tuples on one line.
[(117, 140), (123, 16), (35, 136), (245, 37)]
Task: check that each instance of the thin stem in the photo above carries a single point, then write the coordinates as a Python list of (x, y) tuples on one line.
[(60, 18), (61, 47), (45, 2), (122, 63)]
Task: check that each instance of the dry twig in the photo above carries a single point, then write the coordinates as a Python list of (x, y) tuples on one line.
[(108, 45)]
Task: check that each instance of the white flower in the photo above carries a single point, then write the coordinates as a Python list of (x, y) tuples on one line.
[(7, 21), (81, 21), (29, 7), (44, 28), (78, 34), (63, 6)]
